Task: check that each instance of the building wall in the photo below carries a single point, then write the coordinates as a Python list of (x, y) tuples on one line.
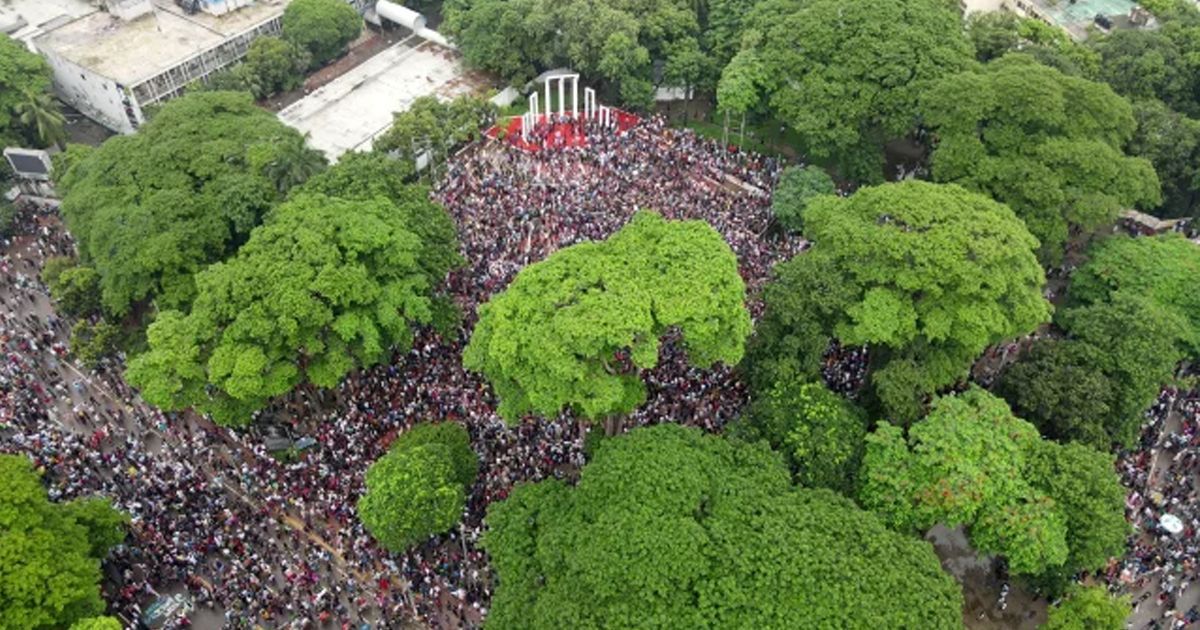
[(199, 67), (96, 96)]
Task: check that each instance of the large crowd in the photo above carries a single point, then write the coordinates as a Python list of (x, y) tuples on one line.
[(275, 541), (1163, 556)]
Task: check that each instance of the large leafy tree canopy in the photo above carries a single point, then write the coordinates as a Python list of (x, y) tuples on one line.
[(1046, 144), (322, 27), (50, 552), (559, 335), (669, 527), (1089, 608), (431, 125), (1171, 141), (927, 275), (324, 286), (611, 43), (820, 434), (22, 74), (971, 462), (419, 487), (1162, 270), (151, 209), (996, 33), (846, 74), (798, 185)]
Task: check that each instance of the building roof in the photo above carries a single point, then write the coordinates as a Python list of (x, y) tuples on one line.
[(130, 52), (1077, 16), (27, 18)]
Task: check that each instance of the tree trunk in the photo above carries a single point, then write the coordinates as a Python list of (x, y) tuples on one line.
[(725, 131), (743, 134), (613, 425)]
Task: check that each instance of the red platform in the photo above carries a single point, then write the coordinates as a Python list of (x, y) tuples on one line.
[(555, 135)]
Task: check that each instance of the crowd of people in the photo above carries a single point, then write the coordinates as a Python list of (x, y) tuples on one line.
[(275, 542), (1163, 508)]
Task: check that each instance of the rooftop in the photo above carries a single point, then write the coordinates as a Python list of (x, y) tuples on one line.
[(1076, 16), (24, 18), (130, 52), (349, 112)]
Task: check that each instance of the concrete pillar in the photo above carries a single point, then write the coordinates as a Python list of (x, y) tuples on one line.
[(562, 99), (575, 96), (547, 106)]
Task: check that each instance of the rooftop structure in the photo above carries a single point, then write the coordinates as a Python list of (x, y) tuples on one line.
[(26, 19), (349, 112), (111, 64), (1080, 17)]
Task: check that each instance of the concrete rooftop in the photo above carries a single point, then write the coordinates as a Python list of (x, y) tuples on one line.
[(131, 52), (350, 111)]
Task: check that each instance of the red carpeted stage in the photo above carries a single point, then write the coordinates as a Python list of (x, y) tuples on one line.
[(568, 133)]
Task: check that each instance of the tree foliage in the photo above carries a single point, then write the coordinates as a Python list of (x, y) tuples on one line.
[(1171, 141), (1161, 270), (1089, 608), (22, 73), (926, 275), (272, 65), (419, 487), (613, 44), (92, 342), (431, 125), (151, 209), (1046, 144), (559, 335), (1044, 506), (672, 528), (1154, 64), (820, 434), (325, 286), (97, 623), (997, 33), (845, 75), (322, 27), (51, 552), (76, 291), (798, 185)]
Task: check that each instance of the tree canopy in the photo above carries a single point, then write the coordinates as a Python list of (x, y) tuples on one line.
[(820, 434), (926, 275), (1089, 608), (1171, 141), (845, 75), (151, 209), (431, 125), (326, 285), (322, 27), (419, 487), (970, 462), (22, 74), (798, 185), (574, 330), (50, 573), (1047, 144), (671, 527)]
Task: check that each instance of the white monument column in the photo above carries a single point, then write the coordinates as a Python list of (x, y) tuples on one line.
[(562, 100), (547, 106), (575, 96)]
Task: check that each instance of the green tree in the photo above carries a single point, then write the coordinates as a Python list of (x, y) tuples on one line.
[(1162, 269), (419, 487), (22, 73), (97, 623), (997, 33), (993, 33), (277, 66), (1046, 144), (91, 343), (322, 27), (1171, 141), (8, 219), (151, 209), (293, 164), (556, 336), (669, 527), (431, 125), (798, 185), (845, 75), (820, 434), (926, 275), (51, 570), (327, 285), (1044, 506), (39, 115), (76, 291), (740, 89), (1151, 64), (1089, 608)]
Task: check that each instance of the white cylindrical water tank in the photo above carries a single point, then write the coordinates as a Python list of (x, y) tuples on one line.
[(403, 16)]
